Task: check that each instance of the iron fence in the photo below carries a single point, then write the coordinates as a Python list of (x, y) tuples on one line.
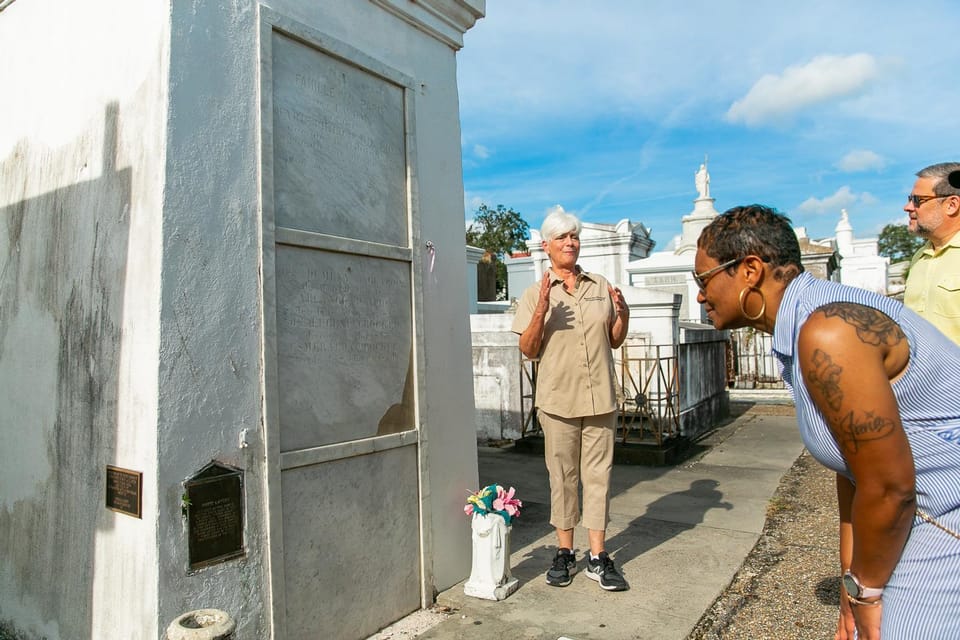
[(649, 386), (750, 361)]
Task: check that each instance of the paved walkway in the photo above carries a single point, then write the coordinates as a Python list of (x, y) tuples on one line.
[(678, 533)]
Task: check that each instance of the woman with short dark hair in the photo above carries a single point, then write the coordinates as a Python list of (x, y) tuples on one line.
[(875, 387)]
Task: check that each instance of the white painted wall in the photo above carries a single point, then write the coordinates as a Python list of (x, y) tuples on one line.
[(130, 297), (210, 340), (606, 249), (496, 377), (861, 264), (81, 169), (669, 272), (213, 149)]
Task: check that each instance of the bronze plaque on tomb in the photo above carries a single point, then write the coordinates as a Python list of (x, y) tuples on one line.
[(125, 491), (214, 517)]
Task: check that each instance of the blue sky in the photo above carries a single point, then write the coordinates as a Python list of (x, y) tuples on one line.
[(608, 108)]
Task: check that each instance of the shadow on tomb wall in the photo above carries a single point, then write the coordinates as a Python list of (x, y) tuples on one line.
[(63, 268), (399, 416)]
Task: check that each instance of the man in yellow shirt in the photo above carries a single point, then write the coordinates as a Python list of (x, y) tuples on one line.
[(933, 281)]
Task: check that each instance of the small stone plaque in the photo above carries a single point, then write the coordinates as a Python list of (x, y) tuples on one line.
[(214, 516), (124, 491)]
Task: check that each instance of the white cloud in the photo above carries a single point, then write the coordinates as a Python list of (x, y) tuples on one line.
[(843, 198), (822, 79), (861, 160), (571, 98), (481, 151)]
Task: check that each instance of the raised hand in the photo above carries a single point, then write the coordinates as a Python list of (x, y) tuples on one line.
[(619, 302)]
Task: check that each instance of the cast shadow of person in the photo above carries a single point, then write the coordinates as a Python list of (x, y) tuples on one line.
[(664, 518), (667, 517)]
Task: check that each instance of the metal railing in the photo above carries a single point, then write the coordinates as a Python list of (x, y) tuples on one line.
[(650, 387), (751, 364), (649, 384), (529, 425)]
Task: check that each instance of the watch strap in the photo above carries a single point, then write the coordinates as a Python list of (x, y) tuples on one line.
[(870, 592), (864, 603), (862, 591)]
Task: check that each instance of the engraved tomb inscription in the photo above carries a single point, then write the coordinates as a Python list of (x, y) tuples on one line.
[(125, 491), (214, 516), (344, 339), (339, 150)]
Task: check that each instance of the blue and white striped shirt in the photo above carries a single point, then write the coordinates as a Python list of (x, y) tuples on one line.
[(922, 598)]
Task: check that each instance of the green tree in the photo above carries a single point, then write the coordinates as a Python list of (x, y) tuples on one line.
[(897, 243), (499, 232)]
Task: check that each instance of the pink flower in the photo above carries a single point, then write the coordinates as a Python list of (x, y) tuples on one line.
[(493, 500), (506, 502)]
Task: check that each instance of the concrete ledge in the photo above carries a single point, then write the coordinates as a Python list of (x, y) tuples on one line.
[(761, 396)]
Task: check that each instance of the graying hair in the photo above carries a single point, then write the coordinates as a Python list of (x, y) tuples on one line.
[(559, 223), (939, 173)]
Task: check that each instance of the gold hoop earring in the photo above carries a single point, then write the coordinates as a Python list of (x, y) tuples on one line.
[(763, 303)]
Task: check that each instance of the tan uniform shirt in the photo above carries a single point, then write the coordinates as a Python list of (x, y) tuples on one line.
[(575, 377), (933, 286)]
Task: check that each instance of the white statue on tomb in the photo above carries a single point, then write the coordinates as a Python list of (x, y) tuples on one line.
[(702, 180), (490, 576)]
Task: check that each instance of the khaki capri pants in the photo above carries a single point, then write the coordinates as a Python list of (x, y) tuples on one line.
[(579, 451)]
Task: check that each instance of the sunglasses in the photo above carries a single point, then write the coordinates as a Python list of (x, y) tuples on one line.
[(702, 278), (919, 200)]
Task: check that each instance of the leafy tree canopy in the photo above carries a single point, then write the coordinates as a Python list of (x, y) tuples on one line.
[(499, 231), (897, 243)]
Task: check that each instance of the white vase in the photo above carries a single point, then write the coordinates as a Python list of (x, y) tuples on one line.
[(490, 576)]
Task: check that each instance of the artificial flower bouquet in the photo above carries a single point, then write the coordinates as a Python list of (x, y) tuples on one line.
[(494, 499)]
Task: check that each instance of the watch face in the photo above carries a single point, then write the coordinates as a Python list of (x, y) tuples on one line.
[(851, 585)]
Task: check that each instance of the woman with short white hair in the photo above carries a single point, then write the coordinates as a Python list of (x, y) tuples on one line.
[(571, 320)]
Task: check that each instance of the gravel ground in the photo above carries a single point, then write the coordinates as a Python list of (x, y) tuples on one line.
[(788, 586)]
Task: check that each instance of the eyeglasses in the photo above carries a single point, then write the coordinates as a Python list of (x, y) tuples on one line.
[(702, 278), (919, 200)]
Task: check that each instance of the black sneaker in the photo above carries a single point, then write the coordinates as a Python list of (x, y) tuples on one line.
[(564, 566), (603, 571)]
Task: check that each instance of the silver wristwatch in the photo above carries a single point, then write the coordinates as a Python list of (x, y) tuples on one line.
[(856, 590)]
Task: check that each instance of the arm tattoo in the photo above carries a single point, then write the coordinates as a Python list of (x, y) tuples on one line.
[(851, 430), (826, 378), (873, 326)]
